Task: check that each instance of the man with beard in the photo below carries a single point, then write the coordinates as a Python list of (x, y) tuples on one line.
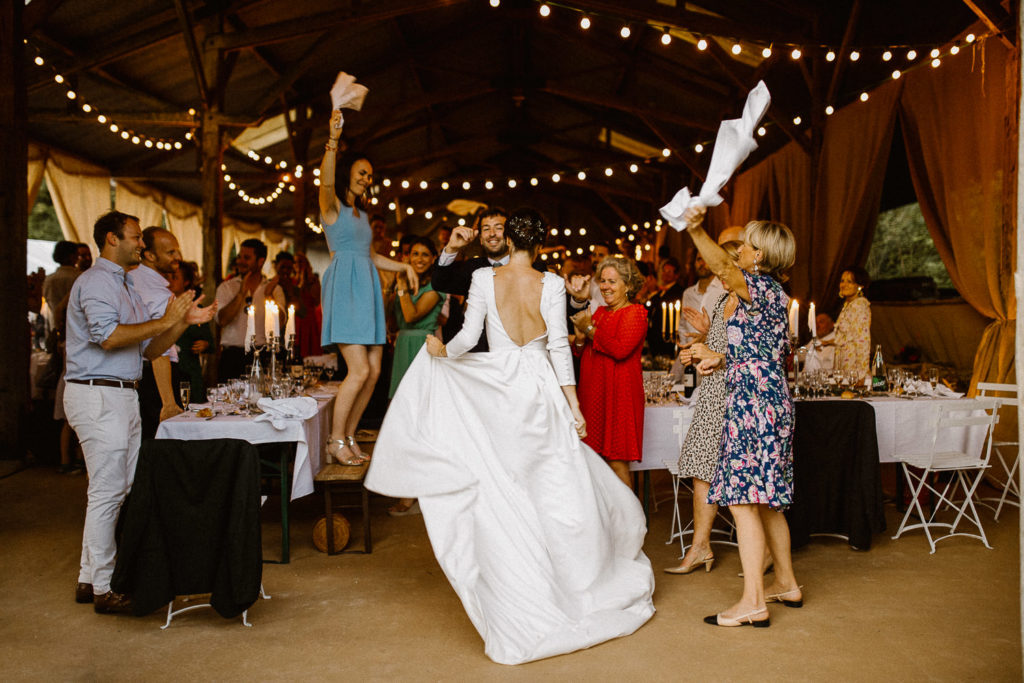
[(695, 297), (109, 332), (161, 257)]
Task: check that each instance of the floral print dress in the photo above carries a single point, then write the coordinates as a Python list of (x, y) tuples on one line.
[(853, 338), (756, 460)]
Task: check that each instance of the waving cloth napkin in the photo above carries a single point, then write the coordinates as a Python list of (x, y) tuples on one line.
[(346, 93), (733, 145), (279, 410), (919, 386)]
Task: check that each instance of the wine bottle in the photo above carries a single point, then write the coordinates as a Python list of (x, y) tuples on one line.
[(878, 382), (689, 380)]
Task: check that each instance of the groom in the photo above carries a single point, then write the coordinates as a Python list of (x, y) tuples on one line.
[(451, 277)]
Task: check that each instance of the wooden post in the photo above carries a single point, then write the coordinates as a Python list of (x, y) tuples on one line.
[(211, 152), (14, 352), (1019, 290)]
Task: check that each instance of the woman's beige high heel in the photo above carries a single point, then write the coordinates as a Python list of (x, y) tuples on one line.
[(708, 562)]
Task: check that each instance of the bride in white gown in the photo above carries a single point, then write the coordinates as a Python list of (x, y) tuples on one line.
[(538, 537)]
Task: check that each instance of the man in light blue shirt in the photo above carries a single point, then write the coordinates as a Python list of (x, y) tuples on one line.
[(109, 330)]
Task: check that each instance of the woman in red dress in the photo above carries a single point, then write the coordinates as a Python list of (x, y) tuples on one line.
[(611, 390)]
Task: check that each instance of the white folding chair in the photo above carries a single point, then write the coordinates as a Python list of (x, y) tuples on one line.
[(966, 468), (677, 530), (1006, 451)]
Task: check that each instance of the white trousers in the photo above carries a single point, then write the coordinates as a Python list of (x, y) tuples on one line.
[(106, 420)]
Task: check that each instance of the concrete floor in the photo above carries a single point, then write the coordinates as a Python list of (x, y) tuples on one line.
[(894, 612)]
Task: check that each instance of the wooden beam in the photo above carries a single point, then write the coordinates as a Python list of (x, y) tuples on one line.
[(995, 18), (168, 119), (304, 26), (296, 69), (611, 102), (614, 207), (678, 151), (844, 51), (36, 13), (194, 58), (15, 396)]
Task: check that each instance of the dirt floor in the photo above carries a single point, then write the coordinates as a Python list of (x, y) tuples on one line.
[(894, 612)]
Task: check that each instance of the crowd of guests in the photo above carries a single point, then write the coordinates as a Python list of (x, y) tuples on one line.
[(117, 334)]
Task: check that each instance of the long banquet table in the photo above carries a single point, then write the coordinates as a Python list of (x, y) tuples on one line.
[(837, 451)]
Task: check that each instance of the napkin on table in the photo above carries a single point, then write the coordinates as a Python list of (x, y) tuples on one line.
[(346, 93), (279, 410), (733, 145), (919, 386)]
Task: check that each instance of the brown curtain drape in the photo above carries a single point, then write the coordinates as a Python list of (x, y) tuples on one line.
[(960, 127), (789, 201), (851, 173)]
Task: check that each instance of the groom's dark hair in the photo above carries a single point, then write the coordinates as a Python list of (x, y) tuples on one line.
[(526, 228)]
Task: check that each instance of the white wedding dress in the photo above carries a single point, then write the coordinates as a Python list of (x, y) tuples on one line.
[(540, 540)]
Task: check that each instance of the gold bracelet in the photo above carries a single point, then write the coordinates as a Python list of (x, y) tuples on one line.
[(329, 148)]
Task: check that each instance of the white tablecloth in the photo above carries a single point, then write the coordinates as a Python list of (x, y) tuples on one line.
[(907, 426), (902, 426), (308, 436)]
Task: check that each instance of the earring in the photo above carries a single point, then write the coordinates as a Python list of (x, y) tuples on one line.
[(755, 268)]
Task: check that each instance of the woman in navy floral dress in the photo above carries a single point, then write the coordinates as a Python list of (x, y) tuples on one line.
[(755, 470)]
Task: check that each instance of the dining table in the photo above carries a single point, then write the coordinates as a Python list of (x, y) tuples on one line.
[(295, 441), (838, 449)]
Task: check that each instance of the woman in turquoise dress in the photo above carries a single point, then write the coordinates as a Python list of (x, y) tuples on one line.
[(755, 468), (417, 314), (353, 306)]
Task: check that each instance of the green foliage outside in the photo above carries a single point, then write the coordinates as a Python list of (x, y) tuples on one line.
[(42, 220), (902, 247)]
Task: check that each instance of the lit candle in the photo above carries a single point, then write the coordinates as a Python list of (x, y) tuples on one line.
[(794, 317), (290, 327), (675, 322), (664, 319), (811, 322), (268, 320), (250, 327), (44, 311)]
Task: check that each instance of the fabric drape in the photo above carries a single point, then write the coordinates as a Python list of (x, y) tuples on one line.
[(80, 194), (36, 163), (848, 190), (961, 138), (789, 201), (138, 200), (185, 221)]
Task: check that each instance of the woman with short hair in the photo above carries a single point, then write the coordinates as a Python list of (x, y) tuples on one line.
[(755, 469), (611, 377)]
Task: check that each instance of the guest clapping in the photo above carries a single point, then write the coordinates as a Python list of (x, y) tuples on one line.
[(417, 312), (611, 387), (755, 468)]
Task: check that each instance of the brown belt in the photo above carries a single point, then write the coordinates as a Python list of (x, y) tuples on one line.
[(116, 383)]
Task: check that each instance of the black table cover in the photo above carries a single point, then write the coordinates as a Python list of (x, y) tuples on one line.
[(837, 487)]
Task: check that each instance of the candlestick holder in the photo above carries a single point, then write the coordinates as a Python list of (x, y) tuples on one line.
[(799, 362), (255, 369), (274, 344)]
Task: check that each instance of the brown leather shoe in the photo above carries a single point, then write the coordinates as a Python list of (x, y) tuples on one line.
[(112, 603), (83, 593)]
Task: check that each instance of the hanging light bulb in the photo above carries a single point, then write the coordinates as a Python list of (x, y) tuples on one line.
[(585, 22), (386, 182), (428, 214), (854, 56), (698, 148), (582, 175), (830, 56), (488, 185), (39, 61), (911, 55), (795, 54), (666, 38), (829, 110), (624, 31), (666, 152), (936, 62), (934, 53), (465, 185), (633, 168), (761, 131), (766, 53), (534, 182), (555, 177), (969, 38), (702, 44), (736, 48), (896, 74), (608, 171), (954, 50), (495, 3), (797, 120), (886, 56), (444, 185), (512, 183), (864, 96), (405, 184), (545, 11)]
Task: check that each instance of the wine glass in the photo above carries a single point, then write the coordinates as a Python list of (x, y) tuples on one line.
[(185, 391), (933, 378)]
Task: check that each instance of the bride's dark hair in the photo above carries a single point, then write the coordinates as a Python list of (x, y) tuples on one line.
[(526, 229)]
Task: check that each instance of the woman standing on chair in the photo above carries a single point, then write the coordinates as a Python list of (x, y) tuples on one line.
[(699, 456), (755, 469), (353, 306)]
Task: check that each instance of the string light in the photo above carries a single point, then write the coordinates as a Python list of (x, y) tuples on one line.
[(830, 56), (666, 38), (555, 177), (736, 48), (608, 171), (796, 120), (864, 96), (405, 184), (582, 175), (702, 45), (512, 183), (585, 22), (489, 185), (545, 10), (698, 148), (534, 182), (887, 55), (633, 168), (936, 62), (624, 32), (829, 110), (896, 74), (795, 54), (766, 53), (911, 55)]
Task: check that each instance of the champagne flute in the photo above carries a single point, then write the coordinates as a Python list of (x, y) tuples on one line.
[(185, 390), (933, 378)]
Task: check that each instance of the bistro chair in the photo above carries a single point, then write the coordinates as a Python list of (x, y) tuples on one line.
[(939, 456), (1006, 451)]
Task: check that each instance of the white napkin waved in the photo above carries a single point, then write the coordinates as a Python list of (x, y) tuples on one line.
[(279, 410), (733, 145), (346, 93), (923, 388)]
